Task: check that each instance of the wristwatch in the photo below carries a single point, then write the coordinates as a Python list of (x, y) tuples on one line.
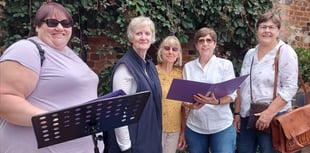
[(236, 113)]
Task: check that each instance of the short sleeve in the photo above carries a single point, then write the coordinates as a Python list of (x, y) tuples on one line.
[(25, 53)]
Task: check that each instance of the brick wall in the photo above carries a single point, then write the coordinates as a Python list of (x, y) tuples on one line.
[(296, 22), (99, 60)]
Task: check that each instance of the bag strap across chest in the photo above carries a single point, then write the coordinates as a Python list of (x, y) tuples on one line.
[(41, 51)]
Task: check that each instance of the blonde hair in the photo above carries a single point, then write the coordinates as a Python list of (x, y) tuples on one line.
[(137, 22), (171, 41)]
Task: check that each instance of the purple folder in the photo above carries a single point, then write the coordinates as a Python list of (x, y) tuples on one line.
[(184, 90), (110, 95)]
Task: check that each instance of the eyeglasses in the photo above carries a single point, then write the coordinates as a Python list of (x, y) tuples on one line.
[(54, 23), (168, 48), (265, 27), (208, 40)]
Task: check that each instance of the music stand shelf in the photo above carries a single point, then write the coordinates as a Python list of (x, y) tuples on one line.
[(88, 119)]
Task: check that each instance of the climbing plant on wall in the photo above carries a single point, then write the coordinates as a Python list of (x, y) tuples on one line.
[(233, 20)]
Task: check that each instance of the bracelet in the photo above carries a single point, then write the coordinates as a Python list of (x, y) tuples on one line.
[(236, 113)]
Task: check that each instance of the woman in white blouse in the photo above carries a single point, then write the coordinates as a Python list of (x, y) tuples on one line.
[(260, 84), (209, 123)]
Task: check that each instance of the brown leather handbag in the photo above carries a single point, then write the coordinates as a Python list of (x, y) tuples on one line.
[(291, 131)]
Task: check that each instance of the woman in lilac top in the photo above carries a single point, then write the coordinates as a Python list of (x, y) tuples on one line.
[(28, 89)]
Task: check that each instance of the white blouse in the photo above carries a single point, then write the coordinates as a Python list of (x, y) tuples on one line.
[(263, 77), (210, 118)]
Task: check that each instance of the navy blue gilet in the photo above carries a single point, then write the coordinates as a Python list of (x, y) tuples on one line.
[(146, 134)]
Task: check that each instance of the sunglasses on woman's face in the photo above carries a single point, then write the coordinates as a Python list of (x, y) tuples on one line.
[(54, 23), (168, 48)]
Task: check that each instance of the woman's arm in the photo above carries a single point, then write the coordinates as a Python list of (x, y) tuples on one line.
[(182, 141), (123, 79), (16, 84), (237, 117)]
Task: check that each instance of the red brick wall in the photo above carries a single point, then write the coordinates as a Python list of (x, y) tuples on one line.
[(296, 22), (99, 61)]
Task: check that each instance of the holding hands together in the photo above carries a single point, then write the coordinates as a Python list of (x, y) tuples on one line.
[(209, 98)]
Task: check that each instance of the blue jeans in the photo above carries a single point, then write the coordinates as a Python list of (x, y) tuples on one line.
[(220, 142), (249, 140)]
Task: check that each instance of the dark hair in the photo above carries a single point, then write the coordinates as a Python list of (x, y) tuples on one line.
[(204, 32), (50, 8), (270, 15)]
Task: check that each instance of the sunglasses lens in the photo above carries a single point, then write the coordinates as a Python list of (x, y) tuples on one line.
[(166, 47), (51, 22), (66, 23), (54, 23), (175, 49), (201, 41)]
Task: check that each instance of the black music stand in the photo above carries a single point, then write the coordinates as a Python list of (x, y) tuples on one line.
[(88, 119)]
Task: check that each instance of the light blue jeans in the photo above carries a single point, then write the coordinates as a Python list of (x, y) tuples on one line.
[(248, 141), (220, 142)]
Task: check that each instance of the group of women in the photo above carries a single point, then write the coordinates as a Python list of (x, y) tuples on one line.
[(64, 80)]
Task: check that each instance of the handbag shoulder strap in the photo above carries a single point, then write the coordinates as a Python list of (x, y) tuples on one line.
[(41, 51), (302, 84), (276, 72)]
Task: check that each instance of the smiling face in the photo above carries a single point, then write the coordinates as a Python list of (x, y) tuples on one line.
[(205, 42), (205, 46), (267, 32), (141, 34), (142, 38), (56, 37), (54, 25), (170, 51)]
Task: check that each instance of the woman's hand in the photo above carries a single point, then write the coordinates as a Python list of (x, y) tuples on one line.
[(195, 105), (264, 119), (182, 142), (266, 116), (206, 99), (237, 122)]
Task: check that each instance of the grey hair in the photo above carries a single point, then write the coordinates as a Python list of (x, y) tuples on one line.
[(137, 22)]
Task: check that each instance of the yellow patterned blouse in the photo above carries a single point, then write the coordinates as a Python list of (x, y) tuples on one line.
[(171, 109)]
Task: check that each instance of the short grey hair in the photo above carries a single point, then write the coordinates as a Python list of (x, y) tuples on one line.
[(137, 22)]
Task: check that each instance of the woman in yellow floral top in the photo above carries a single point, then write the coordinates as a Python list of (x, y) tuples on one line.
[(169, 58)]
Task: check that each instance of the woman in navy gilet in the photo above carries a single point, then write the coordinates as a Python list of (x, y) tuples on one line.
[(136, 72)]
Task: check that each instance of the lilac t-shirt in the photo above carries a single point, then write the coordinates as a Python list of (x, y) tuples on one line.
[(65, 80)]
